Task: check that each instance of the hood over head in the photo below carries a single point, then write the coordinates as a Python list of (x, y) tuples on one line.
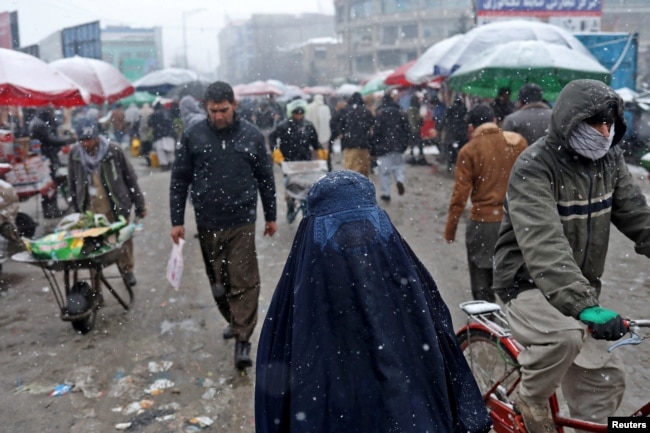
[(341, 190), (355, 99), (579, 100)]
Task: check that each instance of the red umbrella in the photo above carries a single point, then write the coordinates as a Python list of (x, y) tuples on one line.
[(256, 88), (398, 77), (103, 81), (28, 81)]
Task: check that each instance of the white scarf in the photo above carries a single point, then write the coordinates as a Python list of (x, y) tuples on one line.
[(91, 163), (590, 143)]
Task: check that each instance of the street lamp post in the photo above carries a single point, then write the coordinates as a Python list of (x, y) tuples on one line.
[(185, 15)]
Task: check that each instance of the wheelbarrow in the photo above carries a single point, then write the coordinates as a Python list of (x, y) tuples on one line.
[(79, 299)]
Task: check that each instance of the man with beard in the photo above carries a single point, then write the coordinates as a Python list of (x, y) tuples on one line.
[(224, 160)]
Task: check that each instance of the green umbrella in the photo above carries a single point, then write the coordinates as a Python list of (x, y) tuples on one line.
[(139, 98), (515, 63), (376, 83)]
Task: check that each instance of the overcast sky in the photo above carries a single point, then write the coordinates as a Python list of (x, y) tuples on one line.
[(38, 19)]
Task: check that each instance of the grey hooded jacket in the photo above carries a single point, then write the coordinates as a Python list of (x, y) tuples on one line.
[(559, 206)]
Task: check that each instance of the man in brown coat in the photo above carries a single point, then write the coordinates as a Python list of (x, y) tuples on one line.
[(482, 171)]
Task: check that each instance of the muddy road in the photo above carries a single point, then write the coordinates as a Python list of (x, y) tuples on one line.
[(164, 367)]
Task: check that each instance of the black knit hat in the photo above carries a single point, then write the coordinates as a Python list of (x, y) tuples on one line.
[(530, 92)]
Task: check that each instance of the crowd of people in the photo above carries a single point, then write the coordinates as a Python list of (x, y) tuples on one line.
[(354, 307)]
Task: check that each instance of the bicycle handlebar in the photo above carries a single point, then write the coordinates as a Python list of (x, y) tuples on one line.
[(633, 329)]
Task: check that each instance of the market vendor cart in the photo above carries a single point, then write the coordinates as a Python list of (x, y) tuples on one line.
[(78, 299), (299, 176)]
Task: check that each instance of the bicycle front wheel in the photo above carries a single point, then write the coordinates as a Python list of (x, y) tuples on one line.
[(491, 362)]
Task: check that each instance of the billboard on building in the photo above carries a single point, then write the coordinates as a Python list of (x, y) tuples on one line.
[(9, 37), (573, 15), (539, 8), (83, 40)]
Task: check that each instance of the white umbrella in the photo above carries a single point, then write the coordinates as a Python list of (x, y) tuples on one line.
[(484, 37), (163, 80), (347, 89), (256, 88), (515, 63), (103, 81), (26, 80), (423, 69)]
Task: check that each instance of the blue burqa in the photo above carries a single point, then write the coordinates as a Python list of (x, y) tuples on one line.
[(357, 337)]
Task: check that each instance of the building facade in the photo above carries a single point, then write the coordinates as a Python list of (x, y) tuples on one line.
[(257, 49), (134, 51), (377, 35)]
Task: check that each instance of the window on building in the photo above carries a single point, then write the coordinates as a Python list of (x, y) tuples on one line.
[(364, 64), (396, 6), (389, 35), (320, 53), (434, 30), (389, 58), (409, 31), (447, 4), (362, 36), (363, 9)]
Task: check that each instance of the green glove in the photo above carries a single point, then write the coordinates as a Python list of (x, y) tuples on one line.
[(597, 315), (604, 324)]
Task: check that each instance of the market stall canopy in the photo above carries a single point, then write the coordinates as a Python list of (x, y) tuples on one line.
[(484, 37), (347, 89), (515, 63), (319, 90), (256, 88), (101, 80), (289, 91), (398, 76), (375, 83), (162, 81), (195, 89), (30, 82), (424, 68), (139, 99)]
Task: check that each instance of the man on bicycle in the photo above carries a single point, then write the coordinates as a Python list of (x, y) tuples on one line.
[(563, 193)]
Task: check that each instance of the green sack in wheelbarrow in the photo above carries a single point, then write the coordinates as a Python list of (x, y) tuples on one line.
[(73, 244)]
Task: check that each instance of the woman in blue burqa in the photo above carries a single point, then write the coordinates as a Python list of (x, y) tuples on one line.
[(357, 337)]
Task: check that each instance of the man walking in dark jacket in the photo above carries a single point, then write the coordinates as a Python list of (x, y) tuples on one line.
[(227, 158), (355, 126), (533, 117), (392, 134), (295, 137)]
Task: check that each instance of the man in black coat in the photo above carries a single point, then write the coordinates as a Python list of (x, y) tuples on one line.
[(391, 135), (225, 161)]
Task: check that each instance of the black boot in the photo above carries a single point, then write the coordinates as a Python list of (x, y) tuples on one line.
[(243, 355)]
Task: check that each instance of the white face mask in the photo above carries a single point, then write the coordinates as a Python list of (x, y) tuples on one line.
[(590, 143)]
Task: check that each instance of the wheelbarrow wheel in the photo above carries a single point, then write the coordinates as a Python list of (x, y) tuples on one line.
[(80, 300)]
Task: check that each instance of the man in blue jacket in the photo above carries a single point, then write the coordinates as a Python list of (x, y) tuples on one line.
[(225, 161)]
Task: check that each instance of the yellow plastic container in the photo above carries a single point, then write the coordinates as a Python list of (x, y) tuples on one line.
[(153, 158), (135, 147)]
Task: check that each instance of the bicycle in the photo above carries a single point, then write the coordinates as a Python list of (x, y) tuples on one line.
[(491, 352)]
